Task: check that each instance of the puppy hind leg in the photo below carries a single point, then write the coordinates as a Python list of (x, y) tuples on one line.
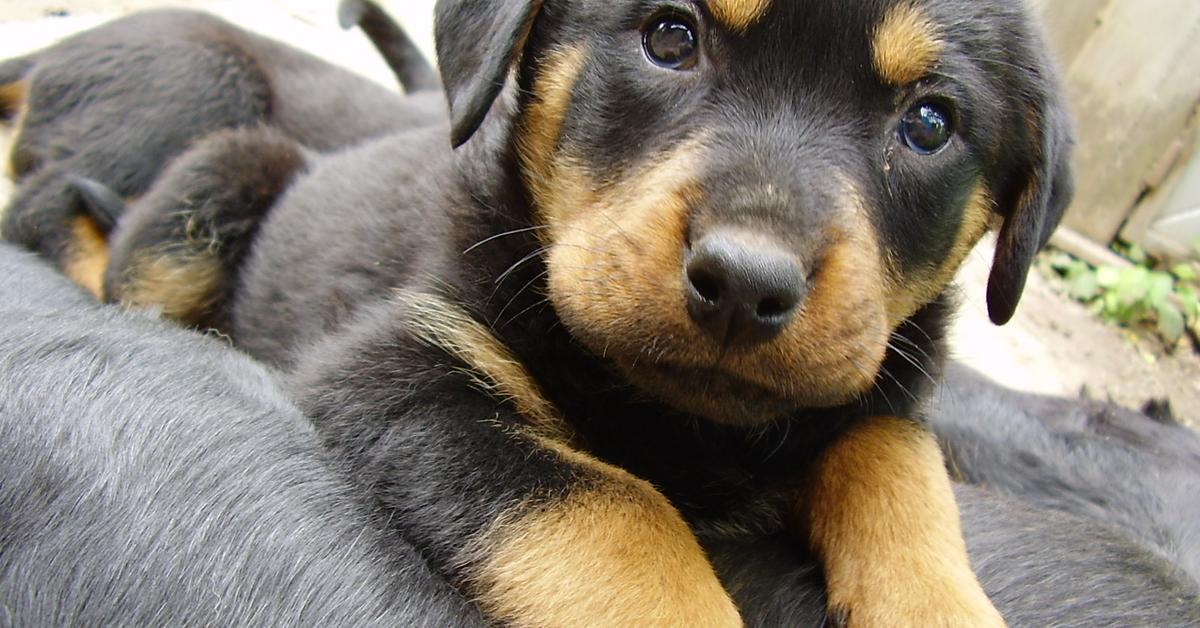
[(178, 249)]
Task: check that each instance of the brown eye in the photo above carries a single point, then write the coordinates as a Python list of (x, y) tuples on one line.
[(926, 128), (670, 42)]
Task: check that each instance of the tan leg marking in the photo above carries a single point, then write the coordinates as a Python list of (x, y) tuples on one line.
[(613, 553), (87, 255), (883, 520), (905, 45), (182, 286), (491, 365), (738, 15)]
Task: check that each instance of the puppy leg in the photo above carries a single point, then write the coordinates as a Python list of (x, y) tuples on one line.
[(883, 520), (177, 250), (451, 436)]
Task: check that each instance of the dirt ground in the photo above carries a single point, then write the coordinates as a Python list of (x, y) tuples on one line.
[(1052, 346)]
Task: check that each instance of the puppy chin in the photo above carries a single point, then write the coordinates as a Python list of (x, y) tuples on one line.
[(721, 397)]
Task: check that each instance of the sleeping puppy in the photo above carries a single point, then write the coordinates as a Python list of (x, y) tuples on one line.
[(115, 103), (1121, 468), (177, 248), (683, 278), (153, 477), (1041, 567)]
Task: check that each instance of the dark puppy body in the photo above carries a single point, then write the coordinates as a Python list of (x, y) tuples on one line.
[(684, 280), (116, 103), (1097, 460), (155, 477)]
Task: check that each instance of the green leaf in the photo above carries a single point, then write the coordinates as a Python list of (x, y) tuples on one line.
[(1060, 260), (1190, 299), (1108, 276), (1112, 306), (1171, 324), (1184, 272), (1137, 254), (1084, 287), (1133, 284), (1160, 288)]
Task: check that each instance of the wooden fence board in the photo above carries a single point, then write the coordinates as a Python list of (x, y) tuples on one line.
[(1069, 24), (1132, 87)]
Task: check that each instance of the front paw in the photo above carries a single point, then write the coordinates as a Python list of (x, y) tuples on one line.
[(958, 603)]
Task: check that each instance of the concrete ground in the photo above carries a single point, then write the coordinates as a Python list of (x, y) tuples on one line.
[(1053, 345)]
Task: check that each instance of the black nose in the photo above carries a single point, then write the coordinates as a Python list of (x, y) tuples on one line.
[(742, 289)]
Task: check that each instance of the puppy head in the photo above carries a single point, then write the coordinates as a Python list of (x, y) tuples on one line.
[(744, 198)]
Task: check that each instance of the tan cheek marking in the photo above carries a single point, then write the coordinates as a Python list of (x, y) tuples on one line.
[(491, 366), (542, 120), (87, 255), (616, 255), (906, 45), (183, 287), (921, 288), (14, 104), (738, 15), (615, 554), (881, 516)]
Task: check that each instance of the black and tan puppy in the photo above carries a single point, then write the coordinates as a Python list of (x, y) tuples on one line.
[(684, 277), (179, 245), (114, 104)]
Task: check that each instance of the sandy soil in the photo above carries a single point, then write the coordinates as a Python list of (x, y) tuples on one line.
[(1053, 345)]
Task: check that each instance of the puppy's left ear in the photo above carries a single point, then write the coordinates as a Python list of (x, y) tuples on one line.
[(1036, 193), (478, 41)]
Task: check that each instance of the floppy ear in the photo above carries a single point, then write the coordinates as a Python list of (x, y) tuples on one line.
[(100, 203), (1035, 197), (478, 41)]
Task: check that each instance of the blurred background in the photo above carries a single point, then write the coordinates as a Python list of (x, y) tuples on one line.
[(1112, 308)]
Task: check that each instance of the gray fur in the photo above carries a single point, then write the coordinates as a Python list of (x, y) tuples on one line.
[(1096, 460), (155, 477)]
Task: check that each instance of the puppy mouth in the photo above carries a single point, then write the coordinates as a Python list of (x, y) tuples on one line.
[(712, 392)]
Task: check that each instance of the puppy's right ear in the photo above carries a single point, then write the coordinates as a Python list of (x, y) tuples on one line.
[(478, 41), (100, 203)]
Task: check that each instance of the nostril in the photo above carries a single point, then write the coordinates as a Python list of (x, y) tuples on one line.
[(772, 308), (706, 285)]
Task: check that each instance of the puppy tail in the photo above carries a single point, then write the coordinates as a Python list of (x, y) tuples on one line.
[(12, 85), (411, 67)]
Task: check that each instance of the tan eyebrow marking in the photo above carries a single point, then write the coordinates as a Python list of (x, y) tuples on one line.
[(905, 45)]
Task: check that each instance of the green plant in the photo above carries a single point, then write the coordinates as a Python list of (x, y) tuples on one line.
[(1138, 296)]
